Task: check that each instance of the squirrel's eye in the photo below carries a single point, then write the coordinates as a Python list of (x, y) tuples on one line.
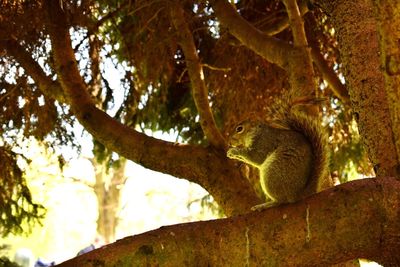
[(239, 129)]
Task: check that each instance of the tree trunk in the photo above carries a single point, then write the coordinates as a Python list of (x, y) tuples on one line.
[(107, 190)]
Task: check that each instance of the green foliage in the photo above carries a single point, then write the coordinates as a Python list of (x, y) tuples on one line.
[(207, 202), (348, 157), (16, 202), (157, 86), (5, 262)]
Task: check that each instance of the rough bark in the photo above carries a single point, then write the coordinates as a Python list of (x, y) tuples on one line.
[(320, 230), (290, 235), (355, 23), (387, 14)]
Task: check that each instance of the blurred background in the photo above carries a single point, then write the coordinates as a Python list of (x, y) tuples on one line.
[(145, 200)]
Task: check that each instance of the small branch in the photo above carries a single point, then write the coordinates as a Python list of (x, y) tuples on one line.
[(296, 23), (301, 72), (282, 24), (108, 16), (195, 70), (10, 89), (327, 72), (216, 68), (95, 88), (330, 76), (270, 48), (147, 23)]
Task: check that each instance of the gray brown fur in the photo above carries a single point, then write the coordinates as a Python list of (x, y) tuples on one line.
[(290, 150)]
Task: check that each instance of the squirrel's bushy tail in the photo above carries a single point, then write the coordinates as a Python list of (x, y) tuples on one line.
[(289, 113)]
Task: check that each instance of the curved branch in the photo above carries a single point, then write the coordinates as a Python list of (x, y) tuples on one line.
[(47, 86), (270, 48), (283, 23), (242, 29), (330, 76), (203, 166), (296, 60), (355, 220), (195, 70)]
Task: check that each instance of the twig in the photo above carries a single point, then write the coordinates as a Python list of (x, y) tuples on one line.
[(216, 68)]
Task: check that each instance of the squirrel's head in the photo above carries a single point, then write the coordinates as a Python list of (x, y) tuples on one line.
[(244, 133)]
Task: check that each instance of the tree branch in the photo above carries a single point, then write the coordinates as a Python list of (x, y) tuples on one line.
[(296, 60), (301, 71), (270, 48), (203, 166), (328, 74), (94, 87), (195, 70), (47, 86), (296, 23), (282, 24), (290, 235)]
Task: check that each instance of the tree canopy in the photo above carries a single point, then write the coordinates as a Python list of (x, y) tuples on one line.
[(198, 68)]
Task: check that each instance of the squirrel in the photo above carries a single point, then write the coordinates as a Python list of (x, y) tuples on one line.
[(290, 151)]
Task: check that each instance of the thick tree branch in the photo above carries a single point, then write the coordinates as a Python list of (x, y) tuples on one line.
[(270, 48), (296, 60), (195, 70), (230, 21), (203, 166), (290, 235)]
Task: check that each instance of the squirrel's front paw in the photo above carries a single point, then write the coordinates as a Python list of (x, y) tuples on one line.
[(232, 153)]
